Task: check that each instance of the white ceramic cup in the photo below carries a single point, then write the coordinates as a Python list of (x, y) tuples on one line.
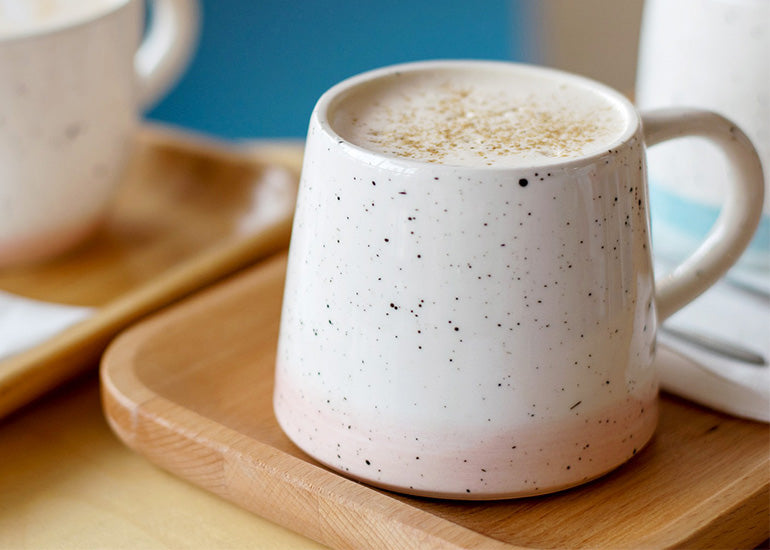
[(70, 93), (710, 54), (479, 333)]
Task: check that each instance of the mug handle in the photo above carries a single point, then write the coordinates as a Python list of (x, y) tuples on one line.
[(166, 48), (739, 217)]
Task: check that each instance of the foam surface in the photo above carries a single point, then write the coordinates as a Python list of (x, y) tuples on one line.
[(478, 117)]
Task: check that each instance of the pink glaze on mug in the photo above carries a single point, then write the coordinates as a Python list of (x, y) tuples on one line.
[(530, 458)]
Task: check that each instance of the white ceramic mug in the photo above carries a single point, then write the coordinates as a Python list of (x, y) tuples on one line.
[(710, 54), (71, 86), (485, 332)]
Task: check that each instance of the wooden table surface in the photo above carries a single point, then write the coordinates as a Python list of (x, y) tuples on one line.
[(66, 482)]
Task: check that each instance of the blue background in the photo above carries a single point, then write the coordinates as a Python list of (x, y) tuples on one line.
[(262, 64)]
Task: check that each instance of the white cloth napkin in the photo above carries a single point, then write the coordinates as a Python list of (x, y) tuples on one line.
[(728, 385), (25, 323)]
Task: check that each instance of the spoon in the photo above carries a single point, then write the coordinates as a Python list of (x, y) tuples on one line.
[(717, 345)]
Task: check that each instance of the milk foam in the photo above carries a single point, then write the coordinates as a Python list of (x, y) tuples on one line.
[(19, 17), (471, 117)]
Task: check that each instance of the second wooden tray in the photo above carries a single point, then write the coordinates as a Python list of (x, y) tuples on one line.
[(190, 211), (191, 389)]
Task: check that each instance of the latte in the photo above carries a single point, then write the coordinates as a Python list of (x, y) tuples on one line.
[(478, 117)]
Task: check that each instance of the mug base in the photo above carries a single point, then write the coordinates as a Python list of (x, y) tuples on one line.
[(45, 245), (527, 460), (483, 496)]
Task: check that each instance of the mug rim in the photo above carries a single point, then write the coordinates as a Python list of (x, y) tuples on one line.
[(45, 30), (327, 101)]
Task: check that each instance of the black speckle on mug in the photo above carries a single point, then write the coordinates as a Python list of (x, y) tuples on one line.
[(73, 130)]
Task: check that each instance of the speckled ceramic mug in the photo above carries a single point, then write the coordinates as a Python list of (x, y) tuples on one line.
[(71, 86), (485, 332)]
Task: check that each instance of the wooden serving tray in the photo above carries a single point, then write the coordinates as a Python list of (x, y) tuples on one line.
[(191, 389), (190, 211)]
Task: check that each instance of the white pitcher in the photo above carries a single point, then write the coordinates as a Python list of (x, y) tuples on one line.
[(713, 54)]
